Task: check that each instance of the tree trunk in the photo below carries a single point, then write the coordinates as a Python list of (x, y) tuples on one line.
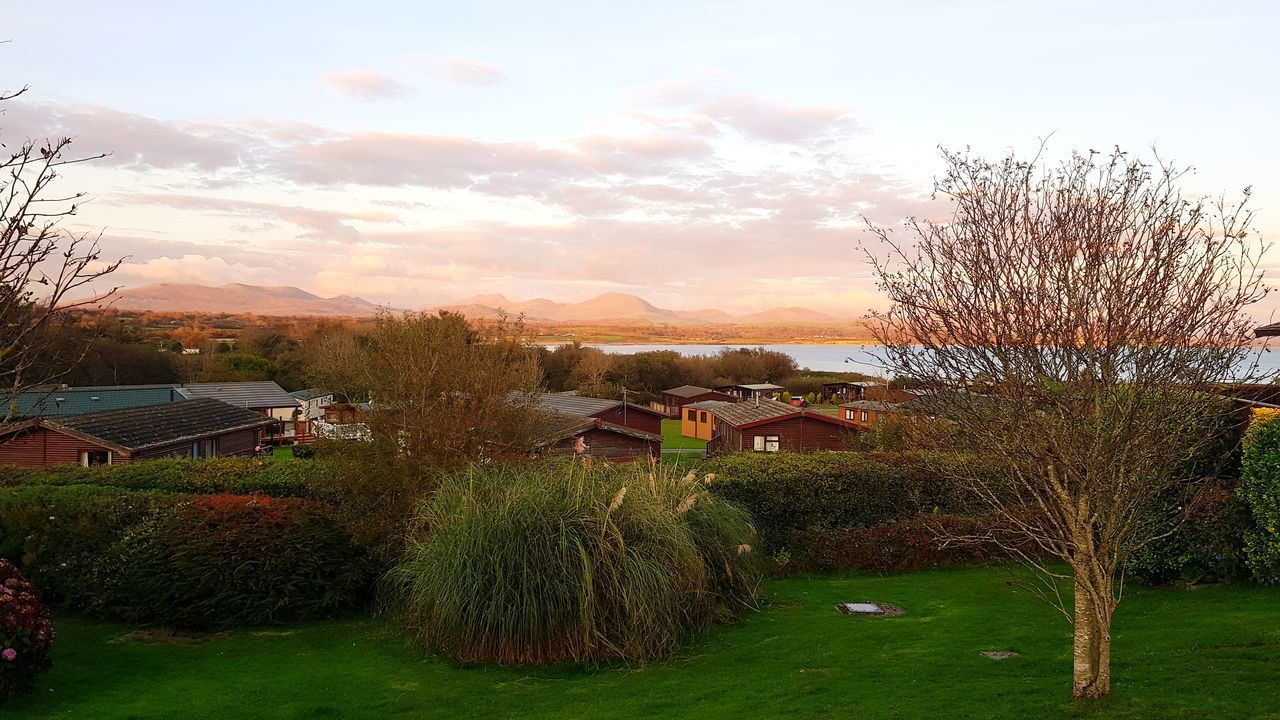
[(1092, 646)]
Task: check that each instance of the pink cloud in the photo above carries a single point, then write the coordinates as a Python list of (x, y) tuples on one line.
[(366, 85)]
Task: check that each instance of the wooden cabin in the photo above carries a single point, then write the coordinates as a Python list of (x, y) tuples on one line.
[(579, 436), (696, 420), (866, 414), (615, 412), (678, 397), (752, 391), (842, 391), (771, 426), (192, 428)]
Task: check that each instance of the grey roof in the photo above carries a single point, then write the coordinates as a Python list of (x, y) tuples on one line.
[(707, 404), (687, 391), (751, 411), (65, 401), (140, 428), (558, 427), (757, 386), (255, 394), (575, 404), (872, 405), (310, 393)]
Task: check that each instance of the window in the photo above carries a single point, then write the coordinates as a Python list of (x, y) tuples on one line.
[(702, 416), (865, 416), (89, 458), (692, 415), (848, 414), (766, 443), (197, 451), (211, 447)]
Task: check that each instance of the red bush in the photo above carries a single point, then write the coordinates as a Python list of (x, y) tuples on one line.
[(26, 631), (898, 546)]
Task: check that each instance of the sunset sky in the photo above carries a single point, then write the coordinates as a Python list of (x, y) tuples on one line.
[(697, 154)]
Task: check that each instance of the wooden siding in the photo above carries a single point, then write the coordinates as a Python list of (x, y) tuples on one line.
[(795, 434), (854, 415), (603, 443), (632, 418), (41, 447), (673, 403), (700, 426)]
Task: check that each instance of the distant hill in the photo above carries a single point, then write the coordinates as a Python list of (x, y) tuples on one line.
[(624, 308), (237, 299)]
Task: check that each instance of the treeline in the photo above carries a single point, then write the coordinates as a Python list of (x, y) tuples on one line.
[(645, 375)]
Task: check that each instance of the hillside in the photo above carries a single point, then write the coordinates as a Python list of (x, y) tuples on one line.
[(237, 298), (621, 308)]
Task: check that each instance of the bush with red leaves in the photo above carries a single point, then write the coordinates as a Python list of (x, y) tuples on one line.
[(26, 631)]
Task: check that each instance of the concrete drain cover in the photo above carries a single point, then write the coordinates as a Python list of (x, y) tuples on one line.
[(999, 654), (873, 609)]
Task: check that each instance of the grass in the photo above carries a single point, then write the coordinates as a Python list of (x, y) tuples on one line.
[(1212, 652), (673, 440)]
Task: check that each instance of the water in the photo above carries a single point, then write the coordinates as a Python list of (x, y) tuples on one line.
[(855, 358)]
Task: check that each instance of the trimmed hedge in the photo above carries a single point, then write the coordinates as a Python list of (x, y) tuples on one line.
[(235, 560), (898, 546), (1260, 488), (239, 475), (791, 494), (1207, 545)]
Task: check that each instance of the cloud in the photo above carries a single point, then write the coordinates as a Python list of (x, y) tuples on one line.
[(366, 85), (467, 72)]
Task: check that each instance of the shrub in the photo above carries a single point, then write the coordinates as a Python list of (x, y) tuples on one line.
[(26, 631), (899, 546), (235, 560), (1260, 488), (1206, 546), (56, 534), (789, 493), (241, 475), (550, 561)]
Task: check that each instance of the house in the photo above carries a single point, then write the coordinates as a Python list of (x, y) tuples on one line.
[(842, 391), (580, 436), (678, 397), (696, 420), (615, 412), (62, 401), (263, 396), (752, 391), (313, 402), (770, 426), (193, 428), (866, 414)]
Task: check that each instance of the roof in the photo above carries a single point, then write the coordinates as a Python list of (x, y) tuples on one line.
[(564, 404), (687, 391), (64, 401), (872, 405), (1271, 330), (145, 427), (560, 427), (310, 393), (758, 386), (857, 383), (707, 404), (255, 394), (749, 414)]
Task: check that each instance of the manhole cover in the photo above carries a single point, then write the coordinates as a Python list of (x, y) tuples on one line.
[(873, 609), (999, 654)]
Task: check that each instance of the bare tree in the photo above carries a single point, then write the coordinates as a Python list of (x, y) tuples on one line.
[(1074, 311), (41, 264), (442, 390)]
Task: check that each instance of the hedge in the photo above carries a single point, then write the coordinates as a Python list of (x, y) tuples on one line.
[(1260, 488), (239, 475), (790, 494)]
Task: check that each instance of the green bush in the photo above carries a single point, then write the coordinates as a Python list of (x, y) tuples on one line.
[(57, 534), (239, 475), (899, 546), (1260, 488), (1206, 545), (26, 631), (235, 560), (548, 562), (787, 494)]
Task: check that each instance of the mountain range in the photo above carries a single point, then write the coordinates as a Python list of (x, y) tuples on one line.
[(239, 298)]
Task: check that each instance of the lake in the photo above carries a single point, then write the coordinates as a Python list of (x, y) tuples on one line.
[(836, 358)]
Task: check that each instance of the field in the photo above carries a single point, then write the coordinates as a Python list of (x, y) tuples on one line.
[(673, 440), (1210, 652)]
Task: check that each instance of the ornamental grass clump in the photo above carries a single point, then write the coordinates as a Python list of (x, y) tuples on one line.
[(26, 631), (549, 562)]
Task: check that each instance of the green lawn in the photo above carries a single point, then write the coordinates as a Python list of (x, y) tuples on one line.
[(1212, 652), (673, 440)]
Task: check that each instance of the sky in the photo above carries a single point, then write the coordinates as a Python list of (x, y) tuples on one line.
[(699, 154)]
